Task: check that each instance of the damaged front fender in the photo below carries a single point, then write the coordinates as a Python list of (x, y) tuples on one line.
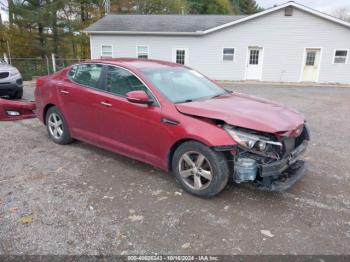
[(13, 110)]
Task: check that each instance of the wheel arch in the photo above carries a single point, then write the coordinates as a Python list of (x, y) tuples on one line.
[(46, 108), (176, 146), (225, 150)]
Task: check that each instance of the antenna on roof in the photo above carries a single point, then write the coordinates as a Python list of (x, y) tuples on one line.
[(107, 5)]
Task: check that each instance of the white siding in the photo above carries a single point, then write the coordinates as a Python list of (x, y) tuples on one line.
[(284, 40)]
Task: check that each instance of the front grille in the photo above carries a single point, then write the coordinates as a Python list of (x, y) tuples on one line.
[(4, 74)]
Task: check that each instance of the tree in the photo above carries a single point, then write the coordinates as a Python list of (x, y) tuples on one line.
[(342, 13), (196, 6), (10, 7), (159, 6), (210, 7), (56, 25), (121, 6), (33, 15), (218, 7), (54, 9), (89, 11), (246, 6), (178, 7), (89, 8)]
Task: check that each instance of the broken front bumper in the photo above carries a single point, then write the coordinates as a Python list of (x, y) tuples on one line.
[(277, 168), (279, 175), (284, 180), (282, 174), (11, 110)]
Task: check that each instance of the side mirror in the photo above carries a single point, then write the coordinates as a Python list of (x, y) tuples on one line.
[(139, 97)]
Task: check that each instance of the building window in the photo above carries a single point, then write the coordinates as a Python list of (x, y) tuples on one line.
[(107, 51), (340, 56), (288, 11), (142, 52), (180, 56), (310, 58), (228, 54), (254, 57)]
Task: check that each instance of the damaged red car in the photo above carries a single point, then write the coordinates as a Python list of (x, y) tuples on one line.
[(176, 119)]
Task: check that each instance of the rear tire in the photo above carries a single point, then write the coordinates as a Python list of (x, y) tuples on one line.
[(200, 170), (57, 127)]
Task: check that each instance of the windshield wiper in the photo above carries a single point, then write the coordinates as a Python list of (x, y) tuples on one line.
[(185, 101), (219, 95), (223, 94)]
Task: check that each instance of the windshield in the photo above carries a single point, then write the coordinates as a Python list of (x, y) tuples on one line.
[(181, 85)]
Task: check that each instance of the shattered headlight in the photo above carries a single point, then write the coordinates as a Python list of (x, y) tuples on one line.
[(248, 140)]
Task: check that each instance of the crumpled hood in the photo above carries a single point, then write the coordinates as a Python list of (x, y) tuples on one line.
[(245, 111)]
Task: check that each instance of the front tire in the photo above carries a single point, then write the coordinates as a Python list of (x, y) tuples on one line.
[(57, 127), (200, 170)]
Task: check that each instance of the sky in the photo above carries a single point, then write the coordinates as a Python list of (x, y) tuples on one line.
[(327, 6), (3, 13)]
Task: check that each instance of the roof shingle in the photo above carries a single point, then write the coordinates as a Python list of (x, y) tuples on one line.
[(160, 23)]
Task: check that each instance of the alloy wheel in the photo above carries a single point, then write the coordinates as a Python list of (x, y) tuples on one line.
[(195, 170), (55, 124)]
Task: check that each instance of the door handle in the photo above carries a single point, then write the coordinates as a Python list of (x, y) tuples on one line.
[(65, 92), (106, 104)]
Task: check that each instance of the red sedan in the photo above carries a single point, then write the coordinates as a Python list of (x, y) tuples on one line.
[(176, 119)]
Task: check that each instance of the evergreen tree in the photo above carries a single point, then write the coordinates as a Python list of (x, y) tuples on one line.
[(10, 9), (196, 6), (210, 7), (246, 6), (51, 22), (33, 15), (218, 7)]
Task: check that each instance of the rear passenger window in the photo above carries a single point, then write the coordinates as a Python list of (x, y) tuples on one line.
[(120, 81), (72, 71), (88, 75)]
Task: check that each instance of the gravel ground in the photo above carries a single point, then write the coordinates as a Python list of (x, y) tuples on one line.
[(79, 199)]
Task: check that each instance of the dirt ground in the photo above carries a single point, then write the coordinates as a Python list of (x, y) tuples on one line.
[(79, 199)]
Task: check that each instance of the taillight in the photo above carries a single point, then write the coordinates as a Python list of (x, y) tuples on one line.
[(39, 82)]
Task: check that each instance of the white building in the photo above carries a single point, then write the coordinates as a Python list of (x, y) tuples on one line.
[(287, 43)]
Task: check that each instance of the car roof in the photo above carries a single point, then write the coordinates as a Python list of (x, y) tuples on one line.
[(135, 63)]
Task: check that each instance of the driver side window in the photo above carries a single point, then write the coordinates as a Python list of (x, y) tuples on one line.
[(120, 82)]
